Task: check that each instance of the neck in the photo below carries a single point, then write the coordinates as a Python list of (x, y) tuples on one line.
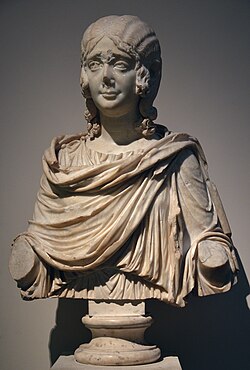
[(119, 130)]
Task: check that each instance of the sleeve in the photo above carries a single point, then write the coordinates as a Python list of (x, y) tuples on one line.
[(198, 211), (209, 250)]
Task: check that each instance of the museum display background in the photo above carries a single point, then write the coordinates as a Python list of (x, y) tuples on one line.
[(204, 91)]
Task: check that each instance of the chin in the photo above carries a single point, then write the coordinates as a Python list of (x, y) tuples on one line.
[(113, 109)]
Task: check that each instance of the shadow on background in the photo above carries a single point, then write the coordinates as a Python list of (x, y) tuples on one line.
[(69, 331), (210, 333)]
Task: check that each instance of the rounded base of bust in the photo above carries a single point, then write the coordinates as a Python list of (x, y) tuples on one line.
[(107, 351)]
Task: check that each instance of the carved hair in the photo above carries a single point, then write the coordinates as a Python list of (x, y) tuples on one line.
[(138, 40)]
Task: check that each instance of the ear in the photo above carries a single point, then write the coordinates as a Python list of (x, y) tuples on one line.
[(84, 83), (83, 77), (146, 103)]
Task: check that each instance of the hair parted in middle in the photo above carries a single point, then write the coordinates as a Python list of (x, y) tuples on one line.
[(139, 41)]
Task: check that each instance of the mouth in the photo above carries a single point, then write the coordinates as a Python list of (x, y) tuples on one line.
[(109, 95)]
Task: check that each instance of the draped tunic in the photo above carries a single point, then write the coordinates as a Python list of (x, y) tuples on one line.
[(125, 226)]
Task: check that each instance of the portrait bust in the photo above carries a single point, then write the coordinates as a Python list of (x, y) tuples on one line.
[(125, 211)]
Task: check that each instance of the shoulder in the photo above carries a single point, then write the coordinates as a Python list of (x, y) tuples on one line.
[(180, 142), (60, 145), (188, 159), (188, 155), (188, 148)]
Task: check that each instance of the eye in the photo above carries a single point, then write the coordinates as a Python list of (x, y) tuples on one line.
[(94, 65), (122, 65)]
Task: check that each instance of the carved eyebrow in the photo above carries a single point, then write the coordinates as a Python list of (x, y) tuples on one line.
[(97, 55), (121, 55), (110, 56)]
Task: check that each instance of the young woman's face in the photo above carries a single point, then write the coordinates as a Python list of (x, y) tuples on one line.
[(112, 79)]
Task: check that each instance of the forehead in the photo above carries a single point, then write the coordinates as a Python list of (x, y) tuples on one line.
[(106, 47)]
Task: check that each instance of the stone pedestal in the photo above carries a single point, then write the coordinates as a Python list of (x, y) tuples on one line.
[(69, 363), (117, 335)]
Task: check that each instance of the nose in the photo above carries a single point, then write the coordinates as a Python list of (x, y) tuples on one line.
[(107, 74)]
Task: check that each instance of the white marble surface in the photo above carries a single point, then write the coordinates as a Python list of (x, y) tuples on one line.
[(131, 201), (116, 308), (117, 335)]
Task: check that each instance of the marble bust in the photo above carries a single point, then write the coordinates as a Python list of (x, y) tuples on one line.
[(125, 211)]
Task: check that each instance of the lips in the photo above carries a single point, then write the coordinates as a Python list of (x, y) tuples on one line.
[(109, 94)]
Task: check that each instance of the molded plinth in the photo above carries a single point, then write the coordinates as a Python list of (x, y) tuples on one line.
[(115, 351), (117, 341)]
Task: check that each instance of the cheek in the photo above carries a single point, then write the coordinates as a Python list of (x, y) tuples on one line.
[(93, 85), (128, 84), (93, 79)]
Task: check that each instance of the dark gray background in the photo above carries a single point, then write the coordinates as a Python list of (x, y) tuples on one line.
[(204, 91)]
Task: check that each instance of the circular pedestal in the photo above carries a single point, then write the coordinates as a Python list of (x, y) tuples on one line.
[(117, 341)]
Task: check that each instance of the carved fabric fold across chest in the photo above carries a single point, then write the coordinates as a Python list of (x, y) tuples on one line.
[(123, 226)]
